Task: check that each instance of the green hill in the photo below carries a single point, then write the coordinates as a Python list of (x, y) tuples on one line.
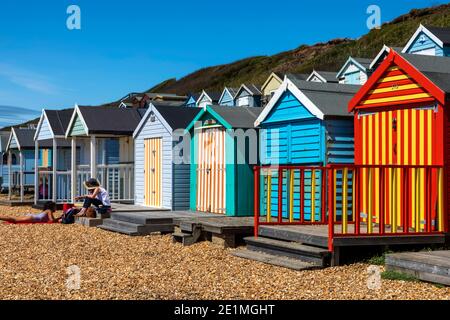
[(322, 56)]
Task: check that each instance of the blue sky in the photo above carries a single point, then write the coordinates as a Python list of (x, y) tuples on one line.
[(131, 45)]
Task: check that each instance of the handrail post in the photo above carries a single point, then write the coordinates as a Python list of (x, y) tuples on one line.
[(280, 195), (357, 193), (330, 208), (382, 201), (256, 172)]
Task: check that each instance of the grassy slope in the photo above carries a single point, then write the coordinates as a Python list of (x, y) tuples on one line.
[(323, 56)]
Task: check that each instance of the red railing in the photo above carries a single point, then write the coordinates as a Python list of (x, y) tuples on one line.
[(363, 200)]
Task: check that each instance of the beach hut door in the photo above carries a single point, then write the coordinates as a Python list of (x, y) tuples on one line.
[(211, 171), (152, 174)]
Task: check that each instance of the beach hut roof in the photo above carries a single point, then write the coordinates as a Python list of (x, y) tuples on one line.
[(107, 120), (172, 115)]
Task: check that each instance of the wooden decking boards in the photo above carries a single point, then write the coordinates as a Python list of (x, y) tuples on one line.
[(431, 266)]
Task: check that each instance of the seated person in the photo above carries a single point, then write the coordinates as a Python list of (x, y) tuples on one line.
[(44, 217), (97, 197)]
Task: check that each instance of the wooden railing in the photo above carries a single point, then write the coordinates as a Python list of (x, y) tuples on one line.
[(63, 186), (353, 200), (118, 179)]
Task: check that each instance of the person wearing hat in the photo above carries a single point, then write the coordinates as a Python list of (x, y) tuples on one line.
[(98, 197)]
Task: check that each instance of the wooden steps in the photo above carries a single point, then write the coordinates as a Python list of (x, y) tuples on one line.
[(275, 260), (290, 247), (137, 223), (431, 266), (227, 232), (316, 255)]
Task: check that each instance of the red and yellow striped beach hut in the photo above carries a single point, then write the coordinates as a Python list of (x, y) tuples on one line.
[(402, 136)]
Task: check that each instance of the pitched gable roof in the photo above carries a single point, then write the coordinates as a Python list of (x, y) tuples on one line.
[(321, 99), (108, 120), (431, 73), (439, 35), (324, 76), (362, 63)]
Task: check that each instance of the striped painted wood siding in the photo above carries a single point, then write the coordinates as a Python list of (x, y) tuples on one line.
[(244, 99), (191, 102), (423, 44), (153, 170), (211, 168), (13, 144), (291, 135), (154, 130), (45, 132), (77, 128), (409, 143), (407, 135), (340, 141), (227, 99)]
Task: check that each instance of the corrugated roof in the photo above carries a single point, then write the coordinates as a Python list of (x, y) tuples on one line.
[(331, 98), (110, 120), (238, 117)]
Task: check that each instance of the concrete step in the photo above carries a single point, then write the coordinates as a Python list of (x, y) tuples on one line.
[(140, 218), (294, 250), (274, 260), (433, 266)]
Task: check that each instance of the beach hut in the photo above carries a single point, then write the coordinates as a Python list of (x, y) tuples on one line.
[(191, 100), (430, 41), (21, 163), (3, 160), (208, 98), (355, 71), (103, 138), (323, 76), (272, 83), (162, 170), (53, 173), (227, 97), (402, 129), (306, 124), (223, 152), (248, 95)]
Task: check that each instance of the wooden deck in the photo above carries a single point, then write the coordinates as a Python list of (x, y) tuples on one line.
[(318, 235), (426, 266)]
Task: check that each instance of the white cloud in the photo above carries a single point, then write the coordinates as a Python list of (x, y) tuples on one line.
[(15, 115), (28, 79)]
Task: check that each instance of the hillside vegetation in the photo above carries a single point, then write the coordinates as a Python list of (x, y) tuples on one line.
[(322, 56)]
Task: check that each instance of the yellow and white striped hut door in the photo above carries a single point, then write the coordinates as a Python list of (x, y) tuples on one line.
[(153, 172), (211, 171)]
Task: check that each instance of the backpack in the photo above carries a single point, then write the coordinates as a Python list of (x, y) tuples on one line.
[(68, 216)]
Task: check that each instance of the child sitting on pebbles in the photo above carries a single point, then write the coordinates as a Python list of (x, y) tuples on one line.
[(44, 217)]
